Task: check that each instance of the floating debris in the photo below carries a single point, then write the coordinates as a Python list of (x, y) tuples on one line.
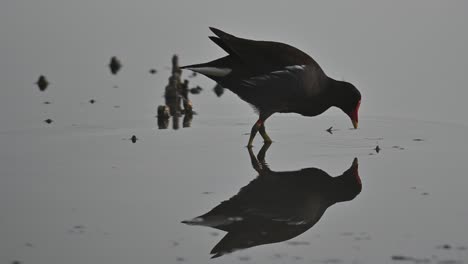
[(115, 65), (196, 90), (46, 102), (115, 86), (92, 101), (134, 139), (418, 139), (49, 121), (298, 243), (207, 192), (445, 246), (79, 229), (244, 258), (180, 259), (377, 149), (330, 130), (29, 245), (218, 90), (175, 243), (425, 193), (42, 83), (153, 71), (194, 74), (332, 261), (116, 106)]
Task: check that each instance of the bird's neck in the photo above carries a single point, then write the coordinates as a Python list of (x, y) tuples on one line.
[(334, 92)]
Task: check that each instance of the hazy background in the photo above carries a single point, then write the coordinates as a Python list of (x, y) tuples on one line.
[(409, 59)]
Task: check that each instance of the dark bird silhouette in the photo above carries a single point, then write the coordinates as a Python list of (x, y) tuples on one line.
[(277, 206), (275, 77)]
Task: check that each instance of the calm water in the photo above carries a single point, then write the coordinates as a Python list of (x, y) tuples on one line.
[(79, 191)]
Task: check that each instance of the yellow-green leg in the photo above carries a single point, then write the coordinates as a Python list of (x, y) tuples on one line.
[(265, 136), (254, 131)]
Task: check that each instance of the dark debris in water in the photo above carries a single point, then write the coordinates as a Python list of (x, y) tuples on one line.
[(410, 259), (444, 246), (218, 90), (425, 193), (377, 149), (298, 243), (92, 101), (332, 261), (153, 71), (196, 90), (115, 65), (418, 139), (49, 121), (180, 259), (134, 139), (244, 258), (46, 102), (330, 130), (16, 262), (77, 229), (42, 83)]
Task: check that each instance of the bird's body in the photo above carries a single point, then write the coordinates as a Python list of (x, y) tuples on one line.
[(275, 77)]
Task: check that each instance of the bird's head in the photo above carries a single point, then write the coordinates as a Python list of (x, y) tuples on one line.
[(349, 100)]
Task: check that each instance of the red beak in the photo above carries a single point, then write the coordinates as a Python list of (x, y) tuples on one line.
[(354, 116)]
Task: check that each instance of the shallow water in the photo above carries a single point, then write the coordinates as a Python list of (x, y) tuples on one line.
[(79, 190), (86, 193)]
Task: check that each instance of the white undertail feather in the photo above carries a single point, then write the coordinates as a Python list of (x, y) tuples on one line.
[(212, 71)]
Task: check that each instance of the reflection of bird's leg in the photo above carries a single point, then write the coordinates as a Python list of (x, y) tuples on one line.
[(255, 164), (262, 153), (258, 162)]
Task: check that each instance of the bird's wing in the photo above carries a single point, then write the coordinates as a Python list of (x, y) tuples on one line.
[(281, 86), (261, 56)]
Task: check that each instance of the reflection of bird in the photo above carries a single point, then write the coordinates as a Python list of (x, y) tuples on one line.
[(277, 206), (275, 77)]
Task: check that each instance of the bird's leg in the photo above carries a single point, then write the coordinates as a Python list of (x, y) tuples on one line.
[(265, 136), (253, 132)]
